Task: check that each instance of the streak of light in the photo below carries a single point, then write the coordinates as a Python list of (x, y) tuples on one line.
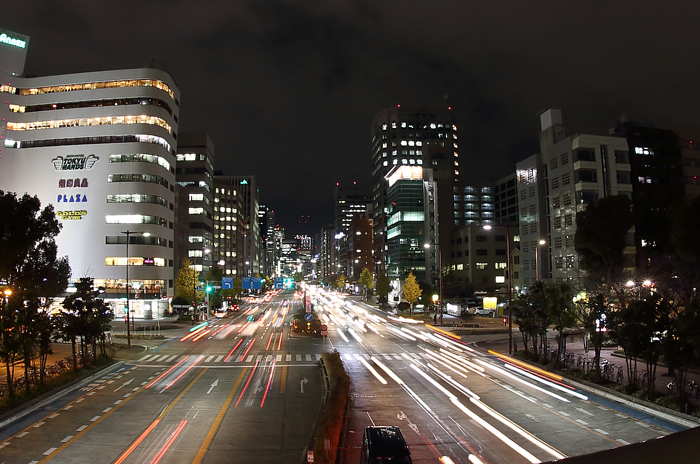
[(342, 335), (447, 393), (510, 443), (269, 341), (373, 371), (373, 328), (403, 319), (201, 334), (222, 328), (199, 326), (446, 460), (252, 372), (414, 333), (388, 371), (279, 344), (234, 349), (355, 335), (546, 382), (186, 371), (444, 332), (518, 379), (519, 430), (474, 459), (166, 372), (452, 367), (446, 342), (400, 333), (508, 363), (244, 326), (249, 347), (169, 443), (138, 441), (453, 382), (191, 334), (463, 361), (228, 331), (269, 381), (527, 366)]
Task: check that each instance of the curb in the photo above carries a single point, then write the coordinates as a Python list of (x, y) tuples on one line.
[(24, 410)]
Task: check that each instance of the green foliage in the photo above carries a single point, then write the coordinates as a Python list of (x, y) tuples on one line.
[(186, 283), (340, 281), (383, 285), (366, 279), (331, 423)]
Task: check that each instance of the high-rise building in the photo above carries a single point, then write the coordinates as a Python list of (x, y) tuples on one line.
[(228, 229), (246, 188), (100, 147), (571, 172), (360, 244), (414, 136), (348, 203), (266, 223), (326, 266), (195, 174), (689, 143)]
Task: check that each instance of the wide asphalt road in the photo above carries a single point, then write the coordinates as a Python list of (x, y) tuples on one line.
[(458, 404), (233, 391)]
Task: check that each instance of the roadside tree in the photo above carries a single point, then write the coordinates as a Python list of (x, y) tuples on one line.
[(411, 291)]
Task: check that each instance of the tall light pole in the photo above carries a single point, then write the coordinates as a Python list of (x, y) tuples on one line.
[(537, 260), (194, 280), (129, 319), (439, 263), (510, 287)]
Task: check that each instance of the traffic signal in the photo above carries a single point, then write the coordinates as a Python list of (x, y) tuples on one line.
[(209, 288)]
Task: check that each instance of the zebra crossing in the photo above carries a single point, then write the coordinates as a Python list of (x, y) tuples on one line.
[(315, 357), (212, 359)]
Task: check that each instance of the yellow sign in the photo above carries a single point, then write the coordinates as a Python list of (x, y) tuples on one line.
[(490, 302), (71, 215)]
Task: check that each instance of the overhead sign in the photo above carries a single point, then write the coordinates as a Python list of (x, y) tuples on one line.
[(227, 283), (279, 283), (252, 283)]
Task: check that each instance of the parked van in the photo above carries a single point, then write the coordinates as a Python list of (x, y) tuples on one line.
[(384, 444)]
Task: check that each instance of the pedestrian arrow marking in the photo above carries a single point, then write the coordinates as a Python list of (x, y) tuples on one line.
[(211, 387), (124, 385)]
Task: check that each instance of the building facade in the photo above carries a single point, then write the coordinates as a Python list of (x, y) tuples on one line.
[(101, 148)]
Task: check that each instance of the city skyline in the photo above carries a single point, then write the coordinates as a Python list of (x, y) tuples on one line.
[(300, 83)]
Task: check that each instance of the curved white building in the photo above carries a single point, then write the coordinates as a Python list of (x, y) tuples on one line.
[(100, 146)]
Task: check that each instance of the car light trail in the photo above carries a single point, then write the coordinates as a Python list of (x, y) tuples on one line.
[(342, 335), (199, 326), (252, 372), (444, 332), (192, 334), (201, 334), (186, 371), (519, 430), (244, 326), (453, 382), (527, 366), (355, 335), (387, 370), (269, 381), (403, 319), (548, 379), (229, 330), (272, 335), (518, 379), (474, 460), (222, 328), (546, 382), (137, 442), (166, 372), (234, 349), (249, 347), (373, 371), (463, 361), (279, 344), (452, 367), (400, 333), (169, 443)]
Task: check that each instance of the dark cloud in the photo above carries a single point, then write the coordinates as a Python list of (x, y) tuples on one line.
[(288, 89)]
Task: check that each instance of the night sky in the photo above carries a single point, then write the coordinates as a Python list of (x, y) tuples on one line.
[(287, 90)]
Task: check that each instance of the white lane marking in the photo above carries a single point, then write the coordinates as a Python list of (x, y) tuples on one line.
[(564, 414), (38, 424), (209, 358), (181, 357), (20, 435), (171, 358), (387, 357), (584, 411), (249, 358), (2, 445), (80, 400), (107, 409), (642, 424), (359, 356), (147, 357), (258, 358), (118, 401), (68, 407), (81, 428), (620, 440), (49, 451), (621, 415), (53, 415), (318, 357), (547, 405), (67, 438), (91, 393), (581, 422), (94, 418), (601, 431)]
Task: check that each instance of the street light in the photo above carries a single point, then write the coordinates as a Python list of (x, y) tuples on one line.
[(130, 319), (537, 261), (508, 270), (646, 283), (437, 249)]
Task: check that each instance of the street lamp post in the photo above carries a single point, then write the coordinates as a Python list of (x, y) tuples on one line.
[(129, 319), (194, 281), (510, 286), (439, 263), (537, 260)]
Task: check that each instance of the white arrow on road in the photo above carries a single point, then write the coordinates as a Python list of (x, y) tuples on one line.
[(303, 381), (125, 384), (216, 382)]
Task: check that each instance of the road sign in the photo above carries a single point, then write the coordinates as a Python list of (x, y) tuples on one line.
[(324, 332), (324, 327), (308, 317), (199, 288), (227, 283), (279, 283), (309, 456)]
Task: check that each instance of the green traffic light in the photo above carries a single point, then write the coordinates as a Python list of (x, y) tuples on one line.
[(209, 288)]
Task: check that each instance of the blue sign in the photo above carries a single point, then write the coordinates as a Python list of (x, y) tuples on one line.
[(279, 283), (199, 288), (252, 283), (227, 283), (308, 317)]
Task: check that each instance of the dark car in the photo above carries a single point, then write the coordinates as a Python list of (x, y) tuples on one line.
[(384, 444)]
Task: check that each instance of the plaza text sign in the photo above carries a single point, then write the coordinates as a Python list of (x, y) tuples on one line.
[(6, 39)]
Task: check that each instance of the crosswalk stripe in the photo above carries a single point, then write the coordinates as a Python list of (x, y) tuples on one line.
[(161, 358), (249, 359), (289, 357), (298, 357), (308, 357), (318, 357), (258, 358), (209, 359), (219, 358), (268, 358), (181, 358), (171, 358), (146, 357), (387, 357), (279, 358), (397, 357)]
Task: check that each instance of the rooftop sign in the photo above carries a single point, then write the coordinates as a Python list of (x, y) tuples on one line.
[(6, 39)]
